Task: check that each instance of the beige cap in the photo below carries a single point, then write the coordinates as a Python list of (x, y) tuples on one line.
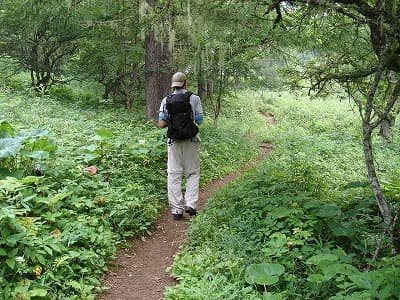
[(178, 79)]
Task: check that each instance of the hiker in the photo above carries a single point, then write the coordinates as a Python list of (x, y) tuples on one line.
[(180, 112)]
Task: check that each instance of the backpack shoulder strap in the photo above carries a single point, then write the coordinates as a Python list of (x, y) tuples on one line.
[(188, 94), (169, 96), (168, 99)]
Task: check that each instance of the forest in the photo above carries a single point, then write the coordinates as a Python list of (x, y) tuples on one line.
[(83, 163)]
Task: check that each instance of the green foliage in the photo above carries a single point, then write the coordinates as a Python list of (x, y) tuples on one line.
[(105, 182), (60, 40), (294, 227), (113, 52), (222, 57), (20, 151), (264, 273), (40, 37)]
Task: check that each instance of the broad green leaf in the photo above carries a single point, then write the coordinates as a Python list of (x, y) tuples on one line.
[(316, 278), (44, 144), (3, 252), (142, 151), (74, 284), (328, 211), (38, 293), (4, 172), (277, 245), (58, 197), (9, 147), (51, 145), (13, 239), (39, 155), (347, 269), (11, 262), (48, 250), (13, 252), (91, 148), (269, 280), (361, 281), (104, 133), (56, 247), (30, 179), (94, 281), (7, 212), (363, 295), (87, 157), (312, 204), (280, 212), (330, 269), (6, 131), (40, 258), (340, 230), (272, 296), (321, 258), (34, 134), (18, 173), (264, 273), (12, 184)]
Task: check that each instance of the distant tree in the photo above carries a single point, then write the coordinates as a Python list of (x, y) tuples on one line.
[(112, 52), (41, 36)]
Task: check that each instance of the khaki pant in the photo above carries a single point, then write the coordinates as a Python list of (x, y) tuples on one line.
[(183, 157)]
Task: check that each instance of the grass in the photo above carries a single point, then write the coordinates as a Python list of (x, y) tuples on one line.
[(59, 230), (299, 226)]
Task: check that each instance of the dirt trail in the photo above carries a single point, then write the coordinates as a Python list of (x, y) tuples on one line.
[(140, 272)]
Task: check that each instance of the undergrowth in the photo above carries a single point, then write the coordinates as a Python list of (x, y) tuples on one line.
[(78, 176), (302, 225)]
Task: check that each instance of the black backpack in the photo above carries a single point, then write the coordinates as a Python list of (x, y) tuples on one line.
[(180, 122)]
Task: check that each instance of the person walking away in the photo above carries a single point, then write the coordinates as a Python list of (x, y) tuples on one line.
[(180, 112)]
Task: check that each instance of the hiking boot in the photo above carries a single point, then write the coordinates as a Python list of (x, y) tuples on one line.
[(177, 217), (190, 211)]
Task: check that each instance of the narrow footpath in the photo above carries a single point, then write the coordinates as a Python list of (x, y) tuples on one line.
[(140, 273)]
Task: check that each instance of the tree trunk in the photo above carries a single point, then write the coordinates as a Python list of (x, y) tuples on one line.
[(201, 89), (385, 131), (386, 213), (32, 78), (158, 72), (376, 188), (201, 83), (209, 88)]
